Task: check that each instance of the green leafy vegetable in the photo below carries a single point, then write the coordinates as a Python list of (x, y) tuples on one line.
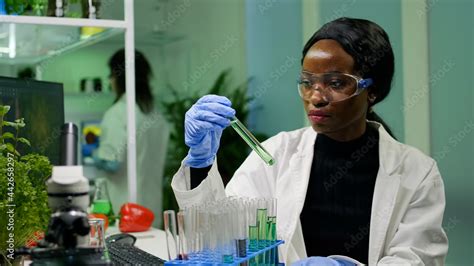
[(22, 187)]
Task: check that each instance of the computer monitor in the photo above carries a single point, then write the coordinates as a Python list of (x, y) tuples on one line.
[(41, 104)]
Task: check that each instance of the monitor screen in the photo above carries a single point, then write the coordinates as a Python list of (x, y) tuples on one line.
[(41, 104)]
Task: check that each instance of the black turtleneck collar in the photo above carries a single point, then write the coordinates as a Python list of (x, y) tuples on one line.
[(325, 144)]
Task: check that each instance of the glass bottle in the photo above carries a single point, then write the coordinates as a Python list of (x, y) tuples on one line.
[(101, 202), (90, 9)]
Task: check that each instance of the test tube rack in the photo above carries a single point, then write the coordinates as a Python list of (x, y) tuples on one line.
[(237, 260)]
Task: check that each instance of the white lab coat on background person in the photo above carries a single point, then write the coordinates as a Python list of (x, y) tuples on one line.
[(407, 209), (152, 132)]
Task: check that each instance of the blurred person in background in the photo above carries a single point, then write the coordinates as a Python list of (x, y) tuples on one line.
[(152, 134)]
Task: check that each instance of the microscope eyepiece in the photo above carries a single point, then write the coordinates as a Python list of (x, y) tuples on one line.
[(68, 142)]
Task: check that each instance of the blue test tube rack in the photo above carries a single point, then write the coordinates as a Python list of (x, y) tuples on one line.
[(237, 260)]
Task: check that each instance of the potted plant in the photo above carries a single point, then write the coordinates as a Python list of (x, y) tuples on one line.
[(26, 7), (232, 150), (23, 197)]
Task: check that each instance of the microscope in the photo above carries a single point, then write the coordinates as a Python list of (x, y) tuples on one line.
[(66, 239)]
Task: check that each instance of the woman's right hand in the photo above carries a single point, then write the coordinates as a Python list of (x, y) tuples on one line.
[(203, 126)]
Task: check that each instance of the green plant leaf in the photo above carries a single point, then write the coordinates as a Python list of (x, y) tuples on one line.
[(10, 147), (9, 124), (25, 141), (8, 135), (31, 171), (20, 122), (4, 109)]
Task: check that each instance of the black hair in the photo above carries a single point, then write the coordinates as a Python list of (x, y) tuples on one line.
[(369, 46), (143, 73), (26, 73)]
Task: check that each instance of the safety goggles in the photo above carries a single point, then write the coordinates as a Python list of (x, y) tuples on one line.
[(333, 87)]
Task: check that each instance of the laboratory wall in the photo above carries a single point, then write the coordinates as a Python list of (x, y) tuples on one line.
[(273, 32), (451, 53), (214, 33)]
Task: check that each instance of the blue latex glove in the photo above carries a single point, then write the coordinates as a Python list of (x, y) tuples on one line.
[(203, 126), (322, 261)]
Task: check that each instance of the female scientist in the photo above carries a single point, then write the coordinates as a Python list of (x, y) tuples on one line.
[(152, 134), (344, 185)]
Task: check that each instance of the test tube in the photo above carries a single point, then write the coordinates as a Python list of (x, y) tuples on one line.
[(250, 139), (170, 230), (253, 225), (241, 228), (262, 229), (253, 228), (227, 254), (271, 220), (272, 255), (182, 249)]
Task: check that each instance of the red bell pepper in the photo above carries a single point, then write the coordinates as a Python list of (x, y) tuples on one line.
[(135, 218)]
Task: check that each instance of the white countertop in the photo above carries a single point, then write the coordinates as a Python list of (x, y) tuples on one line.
[(152, 241)]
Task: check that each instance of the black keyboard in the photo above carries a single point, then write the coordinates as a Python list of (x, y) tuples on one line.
[(122, 254)]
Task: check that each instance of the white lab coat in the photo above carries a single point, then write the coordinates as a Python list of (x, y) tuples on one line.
[(152, 133), (407, 209)]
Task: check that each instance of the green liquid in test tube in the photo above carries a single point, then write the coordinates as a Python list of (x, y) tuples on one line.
[(253, 238), (250, 139), (262, 228), (271, 238), (262, 233), (253, 242)]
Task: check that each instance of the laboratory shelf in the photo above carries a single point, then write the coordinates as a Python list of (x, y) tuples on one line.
[(237, 261), (59, 21), (33, 43), (15, 48)]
